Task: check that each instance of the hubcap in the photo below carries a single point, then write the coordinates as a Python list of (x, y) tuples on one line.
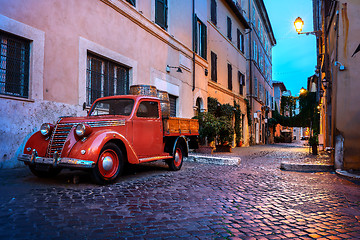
[(107, 163), (178, 157)]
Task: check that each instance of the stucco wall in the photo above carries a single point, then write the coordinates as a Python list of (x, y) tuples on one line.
[(20, 119)]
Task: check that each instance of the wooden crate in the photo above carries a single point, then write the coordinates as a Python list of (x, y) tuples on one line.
[(181, 126)]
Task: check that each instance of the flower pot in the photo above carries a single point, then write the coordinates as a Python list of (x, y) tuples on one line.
[(223, 148), (239, 144), (314, 149)]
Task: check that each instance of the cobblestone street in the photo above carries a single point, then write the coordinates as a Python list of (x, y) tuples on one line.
[(253, 200)]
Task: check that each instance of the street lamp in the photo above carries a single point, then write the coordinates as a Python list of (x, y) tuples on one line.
[(299, 23), (302, 90)]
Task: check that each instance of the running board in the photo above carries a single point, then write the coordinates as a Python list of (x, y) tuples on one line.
[(150, 159)]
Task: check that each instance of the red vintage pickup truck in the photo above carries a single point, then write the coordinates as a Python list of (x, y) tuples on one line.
[(116, 131)]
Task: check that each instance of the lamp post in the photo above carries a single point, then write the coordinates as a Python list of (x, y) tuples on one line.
[(302, 90), (299, 23)]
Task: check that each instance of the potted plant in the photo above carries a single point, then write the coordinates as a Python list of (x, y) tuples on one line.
[(225, 135), (208, 130), (314, 142)]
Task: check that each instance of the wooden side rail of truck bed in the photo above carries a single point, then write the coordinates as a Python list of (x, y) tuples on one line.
[(174, 126)]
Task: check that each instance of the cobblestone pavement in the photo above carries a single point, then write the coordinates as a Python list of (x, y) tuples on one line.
[(253, 200)]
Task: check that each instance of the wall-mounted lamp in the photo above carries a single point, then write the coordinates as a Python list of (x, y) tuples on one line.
[(341, 67), (168, 69), (302, 90), (299, 23)]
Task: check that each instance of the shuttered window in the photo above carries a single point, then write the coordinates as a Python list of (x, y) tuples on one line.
[(14, 65), (213, 12), (172, 105), (229, 28), (201, 42), (161, 12), (132, 2), (240, 41), (105, 78), (229, 76), (241, 79), (213, 67)]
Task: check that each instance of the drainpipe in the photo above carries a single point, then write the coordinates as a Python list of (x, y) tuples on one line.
[(193, 42), (250, 71)]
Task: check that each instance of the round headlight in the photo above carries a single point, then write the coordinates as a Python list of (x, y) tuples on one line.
[(82, 130), (45, 129)]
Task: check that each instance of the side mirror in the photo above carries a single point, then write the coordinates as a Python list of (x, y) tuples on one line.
[(84, 106)]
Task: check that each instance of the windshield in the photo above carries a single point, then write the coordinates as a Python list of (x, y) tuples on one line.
[(122, 107)]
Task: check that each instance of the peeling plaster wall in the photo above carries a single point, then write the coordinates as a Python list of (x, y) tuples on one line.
[(22, 119)]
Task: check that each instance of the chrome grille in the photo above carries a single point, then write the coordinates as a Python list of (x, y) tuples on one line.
[(58, 138)]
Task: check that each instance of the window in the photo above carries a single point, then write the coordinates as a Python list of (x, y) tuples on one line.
[(229, 76), (148, 109), (241, 79), (14, 65), (161, 10), (213, 67), (240, 41), (253, 15), (255, 52), (213, 16), (200, 44), (229, 28), (105, 78), (132, 2), (172, 100), (255, 87)]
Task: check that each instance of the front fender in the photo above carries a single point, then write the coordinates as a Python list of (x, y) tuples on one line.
[(39, 142), (96, 141)]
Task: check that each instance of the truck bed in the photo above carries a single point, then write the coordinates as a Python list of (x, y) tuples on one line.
[(174, 126)]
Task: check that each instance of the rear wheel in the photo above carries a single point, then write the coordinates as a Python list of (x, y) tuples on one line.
[(176, 162), (109, 165), (44, 171)]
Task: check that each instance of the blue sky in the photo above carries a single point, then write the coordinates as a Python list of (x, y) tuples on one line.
[(294, 56)]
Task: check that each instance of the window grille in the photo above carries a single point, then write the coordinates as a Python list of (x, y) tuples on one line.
[(161, 12), (105, 78), (14, 65)]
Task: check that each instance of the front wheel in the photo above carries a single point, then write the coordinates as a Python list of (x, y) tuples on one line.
[(109, 165), (176, 162)]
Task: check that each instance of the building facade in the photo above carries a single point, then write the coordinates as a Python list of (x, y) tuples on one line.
[(338, 46), (58, 56), (227, 29), (259, 86)]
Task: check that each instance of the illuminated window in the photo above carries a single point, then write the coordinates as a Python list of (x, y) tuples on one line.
[(14, 65), (161, 12), (105, 78)]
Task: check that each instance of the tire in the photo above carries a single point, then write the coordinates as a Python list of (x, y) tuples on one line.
[(109, 166), (46, 173), (176, 162)]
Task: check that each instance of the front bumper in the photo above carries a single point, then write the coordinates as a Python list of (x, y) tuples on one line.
[(56, 161)]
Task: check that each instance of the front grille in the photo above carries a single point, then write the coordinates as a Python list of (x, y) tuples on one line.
[(58, 138)]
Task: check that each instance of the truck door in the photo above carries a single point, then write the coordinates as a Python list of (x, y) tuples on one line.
[(147, 129)]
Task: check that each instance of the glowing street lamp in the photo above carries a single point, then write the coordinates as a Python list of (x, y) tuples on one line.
[(302, 90), (299, 23)]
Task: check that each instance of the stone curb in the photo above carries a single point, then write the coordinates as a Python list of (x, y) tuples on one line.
[(347, 174), (214, 160), (306, 167)]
